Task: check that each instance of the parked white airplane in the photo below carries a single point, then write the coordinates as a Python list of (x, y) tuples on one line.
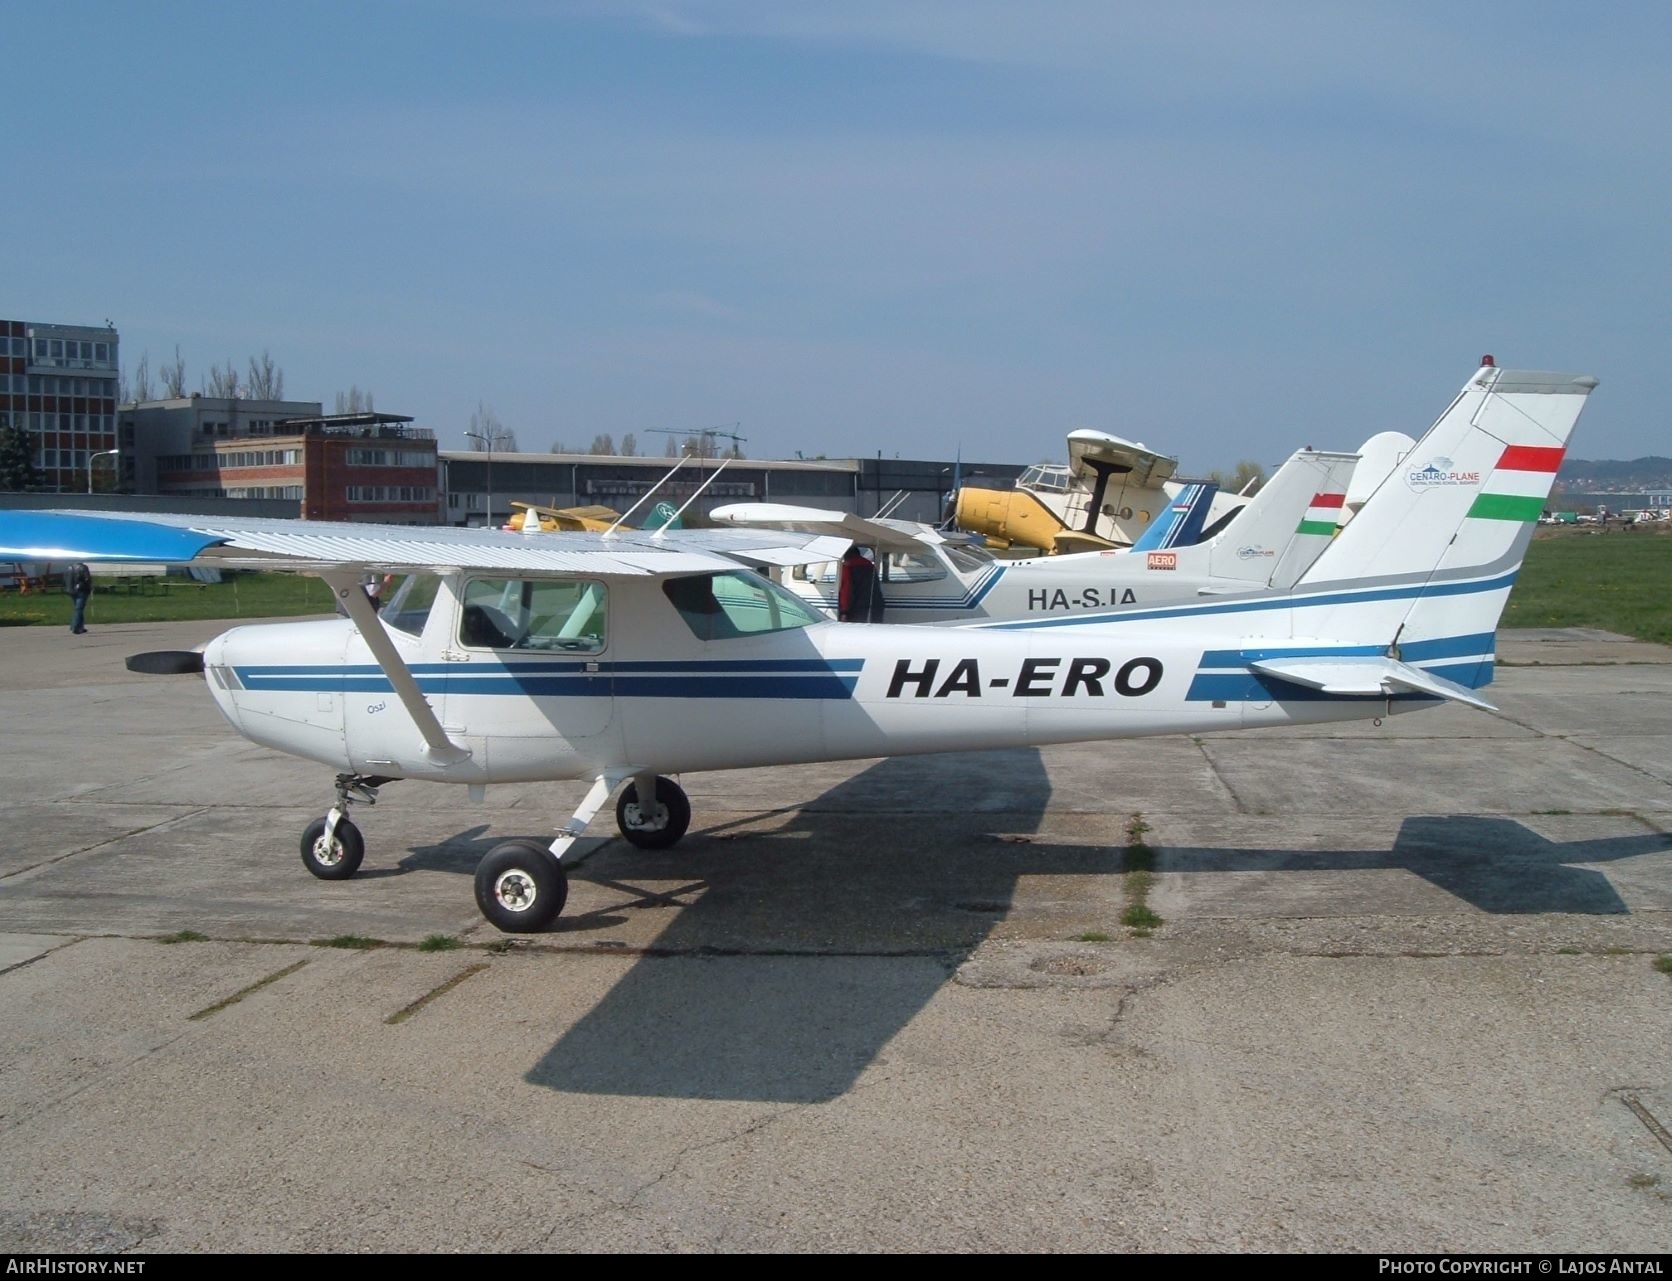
[(928, 577), (514, 657)]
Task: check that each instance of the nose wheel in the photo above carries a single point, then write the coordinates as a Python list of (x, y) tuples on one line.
[(332, 856), (332, 847)]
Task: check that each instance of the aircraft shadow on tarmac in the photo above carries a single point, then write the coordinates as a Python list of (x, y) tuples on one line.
[(868, 899), (864, 904), (1496, 865)]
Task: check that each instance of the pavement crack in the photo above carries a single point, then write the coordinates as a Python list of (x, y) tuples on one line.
[(98, 1078), (144, 830), (679, 1158), (40, 956), (1242, 806)]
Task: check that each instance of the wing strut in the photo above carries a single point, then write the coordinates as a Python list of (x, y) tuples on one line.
[(438, 747)]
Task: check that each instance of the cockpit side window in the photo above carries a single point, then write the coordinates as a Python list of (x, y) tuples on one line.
[(534, 614), (725, 606), (912, 567), (407, 607)]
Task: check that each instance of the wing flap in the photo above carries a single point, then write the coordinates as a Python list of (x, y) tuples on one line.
[(1370, 675)]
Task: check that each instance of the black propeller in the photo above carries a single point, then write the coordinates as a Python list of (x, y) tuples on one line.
[(166, 662)]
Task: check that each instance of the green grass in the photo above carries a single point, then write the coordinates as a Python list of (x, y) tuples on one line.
[(1614, 581), (355, 942), (439, 943), (1139, 868), (238, 596), (184, 936), (1664, 964), (1091, 936)]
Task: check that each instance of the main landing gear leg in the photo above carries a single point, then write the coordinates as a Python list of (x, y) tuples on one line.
[(520, 885), (332, 847)]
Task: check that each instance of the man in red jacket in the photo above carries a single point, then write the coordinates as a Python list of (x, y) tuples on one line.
[(858, 596)]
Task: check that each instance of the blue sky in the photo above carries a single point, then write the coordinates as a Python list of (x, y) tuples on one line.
[(1224, 229)]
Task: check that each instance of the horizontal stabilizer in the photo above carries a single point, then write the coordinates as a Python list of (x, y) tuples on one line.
[(1367, 675)]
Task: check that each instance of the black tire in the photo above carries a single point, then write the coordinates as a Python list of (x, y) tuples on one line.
[(520, 887), (339, 862), (676, 805)]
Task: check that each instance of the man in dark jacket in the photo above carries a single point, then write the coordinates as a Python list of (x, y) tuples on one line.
[(858, 595), (81, 587)]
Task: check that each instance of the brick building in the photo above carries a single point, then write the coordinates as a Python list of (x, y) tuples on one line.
[(354, 467)]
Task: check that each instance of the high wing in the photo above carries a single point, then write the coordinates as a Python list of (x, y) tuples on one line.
[(1148, 468), (249, 543), (887, 535)]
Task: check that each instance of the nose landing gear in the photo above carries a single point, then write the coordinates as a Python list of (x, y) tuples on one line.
[(332, 847)]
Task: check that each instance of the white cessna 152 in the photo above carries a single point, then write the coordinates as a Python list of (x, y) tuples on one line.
[(928, 578), (625, 658)]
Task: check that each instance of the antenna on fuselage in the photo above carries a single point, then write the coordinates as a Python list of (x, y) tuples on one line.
[(724, 463), (647, 493), (893, 504)]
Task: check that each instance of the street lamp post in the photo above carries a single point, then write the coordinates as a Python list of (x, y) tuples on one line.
[(103, 453), (487, 438)]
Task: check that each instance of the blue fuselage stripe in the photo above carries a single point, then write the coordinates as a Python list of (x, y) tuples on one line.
[(1408, 591)]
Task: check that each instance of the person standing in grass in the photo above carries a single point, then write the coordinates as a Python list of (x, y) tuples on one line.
[(81, 587)]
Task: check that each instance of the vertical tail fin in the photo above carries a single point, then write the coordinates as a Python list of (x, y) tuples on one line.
[(1180, 521), (1287, 524), (1431, 556)]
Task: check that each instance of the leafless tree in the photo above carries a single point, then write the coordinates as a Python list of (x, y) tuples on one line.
[(142, 378), (629, 446), (602, 444), (489, 433), (222, 383), (174, 377), (354, 401), (266, 380), (672, 451)]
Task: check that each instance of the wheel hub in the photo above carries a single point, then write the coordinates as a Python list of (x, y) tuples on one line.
[(328, 853), (636, 820), (515, 890)]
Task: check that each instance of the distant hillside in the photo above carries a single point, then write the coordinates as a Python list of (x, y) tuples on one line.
[(1615, 475)]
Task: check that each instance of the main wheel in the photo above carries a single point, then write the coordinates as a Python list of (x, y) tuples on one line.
[(336, 859), (665, 831), (520, 887)]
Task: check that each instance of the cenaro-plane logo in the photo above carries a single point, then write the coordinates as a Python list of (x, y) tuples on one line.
[(1252, 552), (1440, 471)]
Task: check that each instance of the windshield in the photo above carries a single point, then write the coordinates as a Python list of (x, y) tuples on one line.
[(724, 606), (407, 608), (968, 558)]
